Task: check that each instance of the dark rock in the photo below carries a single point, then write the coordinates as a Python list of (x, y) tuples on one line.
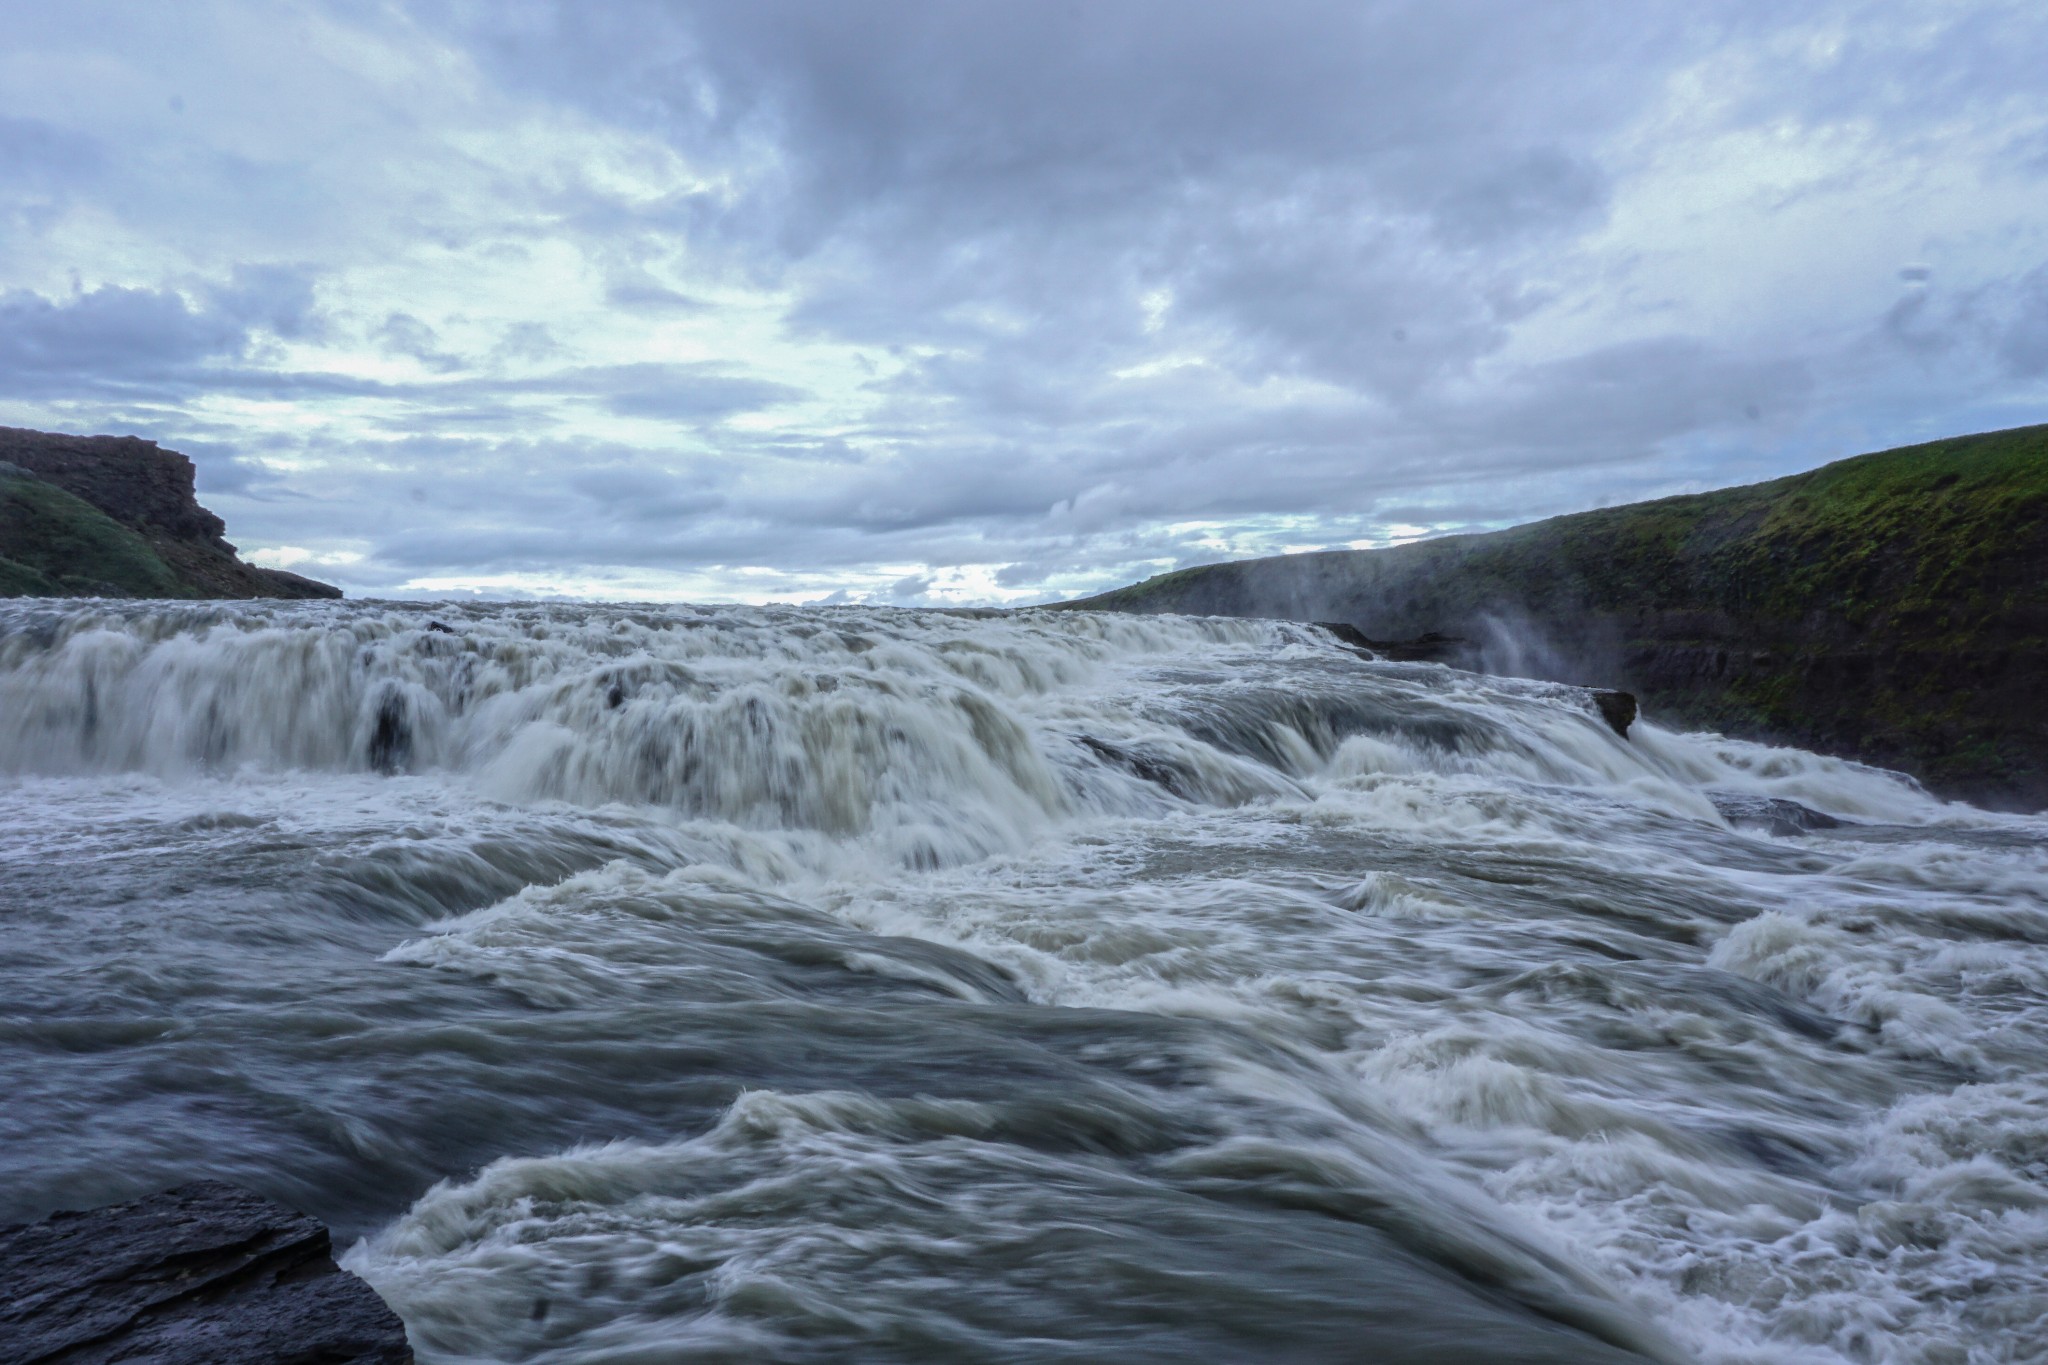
[(440, 628), (1432, 647), (1618, 709), (1770, 814), (205, 1274), (391, 739), (1141, 765), (1346, 633)]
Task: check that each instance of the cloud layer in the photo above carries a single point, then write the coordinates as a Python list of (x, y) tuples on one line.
[(937, 303)]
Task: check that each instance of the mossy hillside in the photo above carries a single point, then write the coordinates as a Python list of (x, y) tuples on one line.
[(19, 580), (1892, 605), (1925, 540), (1921, 538), (127, 524), (52, 543)]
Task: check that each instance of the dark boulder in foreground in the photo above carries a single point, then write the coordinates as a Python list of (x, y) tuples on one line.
[(205, 1274)]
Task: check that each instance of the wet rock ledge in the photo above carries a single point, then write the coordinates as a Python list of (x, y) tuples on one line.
[(205, 1274)]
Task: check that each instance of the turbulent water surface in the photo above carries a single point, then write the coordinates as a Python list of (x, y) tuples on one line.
[(721, 984)]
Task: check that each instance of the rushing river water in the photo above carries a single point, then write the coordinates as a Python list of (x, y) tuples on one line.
[(663, 984)]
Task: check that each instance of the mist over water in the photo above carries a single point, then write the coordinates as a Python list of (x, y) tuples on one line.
[(635, 984)]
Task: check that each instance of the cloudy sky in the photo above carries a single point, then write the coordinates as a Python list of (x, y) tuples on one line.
[(977, 302)]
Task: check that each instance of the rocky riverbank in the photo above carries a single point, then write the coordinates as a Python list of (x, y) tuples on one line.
[(205, 1274)]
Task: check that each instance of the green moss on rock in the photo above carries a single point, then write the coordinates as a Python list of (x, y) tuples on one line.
[(1892, 606), (58, 544), (19, 580)]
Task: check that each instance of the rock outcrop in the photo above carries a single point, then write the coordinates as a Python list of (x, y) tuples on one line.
[(1618, 709), (1891, 607), (1431, 647), (117, 516), (205, 1274)]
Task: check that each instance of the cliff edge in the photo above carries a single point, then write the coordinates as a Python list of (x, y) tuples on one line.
[(117, 516), (1891, 607)]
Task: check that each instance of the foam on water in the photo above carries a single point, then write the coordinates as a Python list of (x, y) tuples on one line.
[(791, 984)]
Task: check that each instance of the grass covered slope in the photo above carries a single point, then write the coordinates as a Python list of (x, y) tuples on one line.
[(1891, 606), (107, 516), (58, 545)]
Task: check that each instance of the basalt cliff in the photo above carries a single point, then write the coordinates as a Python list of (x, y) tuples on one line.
[(116, 516), (205, 1274), (1891, 607)]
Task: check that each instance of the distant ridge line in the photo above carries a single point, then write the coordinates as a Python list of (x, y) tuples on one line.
[(1891, 607)]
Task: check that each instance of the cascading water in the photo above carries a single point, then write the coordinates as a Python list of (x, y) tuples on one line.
[(813, 984)]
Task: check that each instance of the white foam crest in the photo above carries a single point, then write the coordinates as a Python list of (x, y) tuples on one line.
[(1586, 1123), (702, 933), (695, 1239), (1777, 1085), (467, 1261), (1837, 786), (917, 727), (949, 736)]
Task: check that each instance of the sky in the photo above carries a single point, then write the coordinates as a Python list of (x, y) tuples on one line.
[(962, 303)]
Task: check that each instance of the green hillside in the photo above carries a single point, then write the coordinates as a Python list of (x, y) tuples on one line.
[(117, 516), (59, 545), (1892, 606)]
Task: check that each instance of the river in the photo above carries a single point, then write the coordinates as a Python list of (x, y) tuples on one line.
[(634, 984)]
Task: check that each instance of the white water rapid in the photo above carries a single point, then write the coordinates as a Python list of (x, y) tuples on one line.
[(686, 984)]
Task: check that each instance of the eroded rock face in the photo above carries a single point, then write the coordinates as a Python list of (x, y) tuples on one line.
[(205, 1274), (150, 492), (1618, 709), (134, 481)]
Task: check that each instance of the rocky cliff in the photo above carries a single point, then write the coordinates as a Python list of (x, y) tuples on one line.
[(205, 1274), (116, 516), (1891, 607)]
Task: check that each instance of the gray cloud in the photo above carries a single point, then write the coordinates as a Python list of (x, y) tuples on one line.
[(403, 334), (922, 158), (2023, 335), (1540, 189), (642, 296), (43, 165), (2003, 324), (673, 392), (526, 341), (156, 343), (278, 298), (1064, 293), (107, 334)]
